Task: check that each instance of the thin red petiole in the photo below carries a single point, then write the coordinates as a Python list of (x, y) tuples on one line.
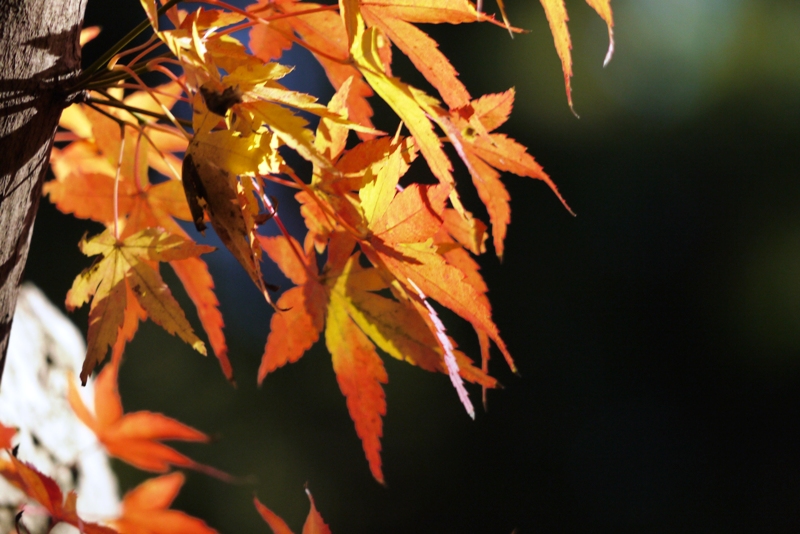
[(136, 87), (142, 54), (136, 169), (133, 50), (278, 16), (116, 179), (157, 67), (275, 217), (166, 111), (280, 181)]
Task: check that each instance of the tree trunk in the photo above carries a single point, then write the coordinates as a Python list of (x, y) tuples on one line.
[(39, 55)]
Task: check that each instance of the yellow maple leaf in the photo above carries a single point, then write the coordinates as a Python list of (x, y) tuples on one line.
[(124, 264)]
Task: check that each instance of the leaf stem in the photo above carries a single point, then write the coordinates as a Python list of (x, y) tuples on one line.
[(136, 87), (136, 167), (140, 129), (280, 181), (116, 179), (122, 43), (288, 236), (146, 46), (143, 49), (164, 108), (278, 16), (131, 109), (121, 105), (155, 65), (109, 78)]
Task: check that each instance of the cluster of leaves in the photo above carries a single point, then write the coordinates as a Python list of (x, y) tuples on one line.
[(41, 489), (375, 253), (135, 439)]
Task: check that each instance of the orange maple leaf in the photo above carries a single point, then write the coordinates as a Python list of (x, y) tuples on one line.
[(323, 33), (314, 523), (6, 433), (145, 509), (356, 319), (134, 437), (306, 308), (98, 138), (486, 153), (403, 225), (413, 106), (297, 327), (196, 279), (343, 300), (360, 373), (557, 18), (45, 491), (394, 18)]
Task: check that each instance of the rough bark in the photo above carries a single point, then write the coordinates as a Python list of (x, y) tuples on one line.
[(39, 55)]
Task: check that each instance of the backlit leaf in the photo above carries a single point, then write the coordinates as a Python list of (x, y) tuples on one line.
[(46, 492), (135, 437), (557, 18), (126, 264), (145, 509)]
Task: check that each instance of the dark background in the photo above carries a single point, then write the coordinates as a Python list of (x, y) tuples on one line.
[(657, 333)]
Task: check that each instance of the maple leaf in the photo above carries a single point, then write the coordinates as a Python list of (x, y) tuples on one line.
[(355, 319), (146, 144), (196, 279), (134, 437), (124, 264), (324, 35), (360, 373), (6, 433), (343, 300), (45, 491), (486, 153), (91, 196), (394, 18), (359, 370), (295, 329), (199, 286), (218, 192), (557, 18), (145, 509), (403, 225), (314, 523), (411, 105)]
